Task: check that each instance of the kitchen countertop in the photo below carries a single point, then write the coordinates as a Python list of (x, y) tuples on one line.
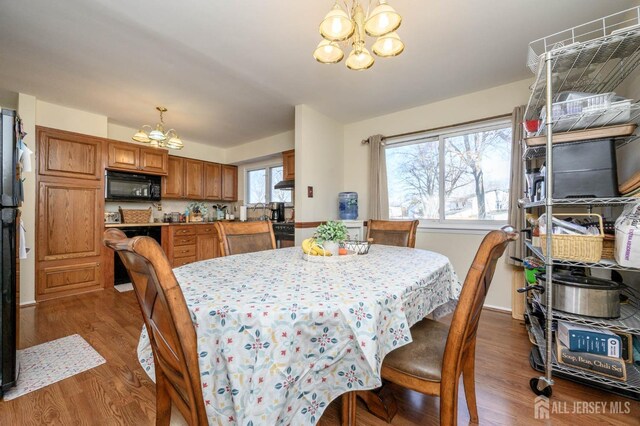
[(131, 225)]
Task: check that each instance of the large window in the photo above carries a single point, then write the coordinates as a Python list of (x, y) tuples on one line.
[(455, 175), (260, 186)]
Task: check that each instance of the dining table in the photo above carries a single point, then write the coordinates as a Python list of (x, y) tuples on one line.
[(279, 336)]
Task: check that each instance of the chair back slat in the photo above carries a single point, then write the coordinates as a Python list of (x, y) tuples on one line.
[(401, 233), (166, 317), (245, 237)]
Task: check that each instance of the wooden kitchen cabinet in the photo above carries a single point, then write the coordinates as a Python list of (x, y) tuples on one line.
[(64, 154), (207, 242), (190, 243), (229, 183), (193, 179), (69, 212), (212, 181), (173, 182), (131, 157), (154, 161), (289, 165)]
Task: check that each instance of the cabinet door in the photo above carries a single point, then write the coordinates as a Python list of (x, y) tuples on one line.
[(173, 182), (289, 165), (154, 161), (229, 183), (70, 220), (123, 156), (70, 155), (193, 179), (206, 247), (212, 181)]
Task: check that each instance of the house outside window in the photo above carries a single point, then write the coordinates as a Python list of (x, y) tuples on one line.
[(260, 186), (455, 176)]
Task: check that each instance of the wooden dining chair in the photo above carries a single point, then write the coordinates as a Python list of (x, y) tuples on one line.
[(169, 325), (245, 237), (401, 233), (439, 354)]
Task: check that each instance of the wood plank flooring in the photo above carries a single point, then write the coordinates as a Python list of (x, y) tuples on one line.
[(120, 393)]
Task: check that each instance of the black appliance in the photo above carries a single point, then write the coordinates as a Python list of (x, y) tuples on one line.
[(11, 195), (119, 186), (285, 184), (120, 274), (277, 212), (285, 234), (585, 169)]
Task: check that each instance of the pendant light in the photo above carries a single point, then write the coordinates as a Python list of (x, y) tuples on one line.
[(157, 137), (382, 20)]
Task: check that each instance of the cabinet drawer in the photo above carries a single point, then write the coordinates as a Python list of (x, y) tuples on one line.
[(184, 230), (205, 229), (183, 241), (182, 251), (179, 261)]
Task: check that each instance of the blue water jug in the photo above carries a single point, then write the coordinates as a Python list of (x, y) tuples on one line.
[(348, 205)]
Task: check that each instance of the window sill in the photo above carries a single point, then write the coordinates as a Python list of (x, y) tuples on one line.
[(459, 228)]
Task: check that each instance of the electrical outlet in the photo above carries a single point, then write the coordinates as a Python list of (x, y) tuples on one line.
[(309, 191)]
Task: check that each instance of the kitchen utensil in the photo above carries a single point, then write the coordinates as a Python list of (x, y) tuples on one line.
[(111, 217), (588, 296)]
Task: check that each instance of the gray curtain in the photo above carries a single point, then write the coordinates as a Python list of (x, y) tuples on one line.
[(378, 192), (516, 188)]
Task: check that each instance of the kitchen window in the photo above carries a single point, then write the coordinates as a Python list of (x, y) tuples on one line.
[(454, 177), (260, 186)]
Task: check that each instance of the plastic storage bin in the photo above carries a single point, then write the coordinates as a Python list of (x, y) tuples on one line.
[(348, 205), (585, 169)]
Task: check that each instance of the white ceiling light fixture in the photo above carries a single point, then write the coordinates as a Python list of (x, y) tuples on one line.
[(158, 137), (351, 29)]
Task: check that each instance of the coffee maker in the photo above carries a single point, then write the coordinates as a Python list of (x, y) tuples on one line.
[(277, 212)]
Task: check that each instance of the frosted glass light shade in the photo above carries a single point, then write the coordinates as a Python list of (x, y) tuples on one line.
[(388, 45), (141, 136), (382, 20), (337, 26), (359, 61), (175, 143), (157, 134), (328, 52)]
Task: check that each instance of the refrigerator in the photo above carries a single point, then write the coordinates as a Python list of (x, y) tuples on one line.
[(10, 199)]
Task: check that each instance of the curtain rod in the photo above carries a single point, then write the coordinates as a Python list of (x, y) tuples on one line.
[(417, 132)]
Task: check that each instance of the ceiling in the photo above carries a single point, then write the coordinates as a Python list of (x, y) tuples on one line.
[(232, 71)]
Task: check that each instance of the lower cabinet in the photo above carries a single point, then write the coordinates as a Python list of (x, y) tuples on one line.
[(190, 243)]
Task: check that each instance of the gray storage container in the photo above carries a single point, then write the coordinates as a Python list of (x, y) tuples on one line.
[(585, 169)]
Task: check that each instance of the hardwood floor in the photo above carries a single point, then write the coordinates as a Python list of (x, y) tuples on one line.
[(120, 393)]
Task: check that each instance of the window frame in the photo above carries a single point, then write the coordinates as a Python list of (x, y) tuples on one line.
[(268, 184), (440, 135)]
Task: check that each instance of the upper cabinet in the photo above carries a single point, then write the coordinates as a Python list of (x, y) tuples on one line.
[(212, 181), (289, 165), (70, 155), (229, 183), (173, 182), (193, 179), (131, 157), (200, 180)]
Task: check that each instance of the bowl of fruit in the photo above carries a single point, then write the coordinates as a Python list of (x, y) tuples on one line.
[(314, 251)]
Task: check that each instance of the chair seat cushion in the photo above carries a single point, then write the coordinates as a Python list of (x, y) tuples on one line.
[(421, 358)]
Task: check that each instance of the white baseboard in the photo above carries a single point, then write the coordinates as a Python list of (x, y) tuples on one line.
[(27, 303), (497, 308)]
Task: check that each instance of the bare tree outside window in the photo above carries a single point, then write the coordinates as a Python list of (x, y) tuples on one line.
[(260, 186), (475, 168)]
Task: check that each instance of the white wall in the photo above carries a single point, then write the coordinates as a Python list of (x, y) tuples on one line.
[(70, 119), (318, 164), (460, 247), (261, 149)]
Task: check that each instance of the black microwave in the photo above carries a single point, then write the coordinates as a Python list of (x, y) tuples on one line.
[(121, 186)]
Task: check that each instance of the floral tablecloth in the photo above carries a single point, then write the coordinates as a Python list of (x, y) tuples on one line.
[(279, 337)]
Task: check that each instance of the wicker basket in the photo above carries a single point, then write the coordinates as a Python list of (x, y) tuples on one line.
[(579, 248), (608, 247), (135, 216)]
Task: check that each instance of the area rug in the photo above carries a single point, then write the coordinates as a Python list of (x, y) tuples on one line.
[(123, 287), (45, 364)]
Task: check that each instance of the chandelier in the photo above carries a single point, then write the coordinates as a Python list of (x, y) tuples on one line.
[(158, 137), (338, 26)]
